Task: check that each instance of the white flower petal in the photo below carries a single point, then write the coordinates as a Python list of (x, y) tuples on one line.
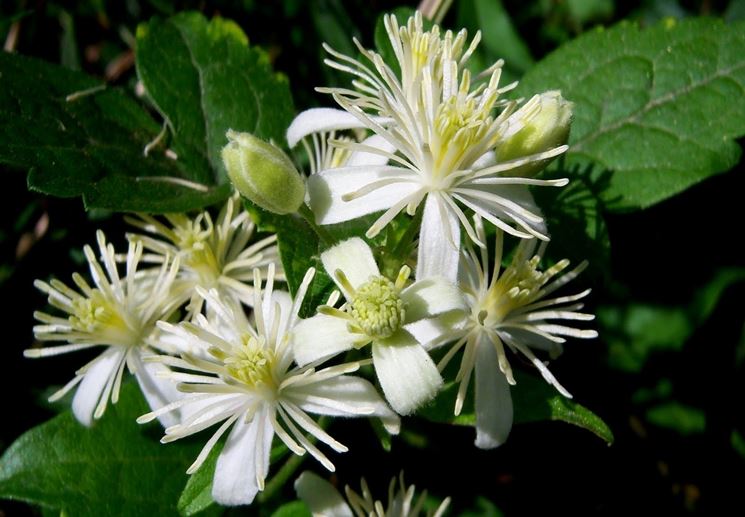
[(354, 258), (493, 400), (519, 194), (364, 158), (158, 391), (325, 191), (321, 496), (92, 386), (235, 480), (435, 332), (487, 159), (439, 242), (336, 396), (407, 374), (321, 337), (284, 300), (430, 297), (317, 120)]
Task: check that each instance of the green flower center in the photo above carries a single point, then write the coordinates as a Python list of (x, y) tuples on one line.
[(462, 120), (377, 308), (252, 364), (97, 315), (198, 254), (518, 286)]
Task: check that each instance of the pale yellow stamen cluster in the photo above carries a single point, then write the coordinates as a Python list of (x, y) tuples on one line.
[(252, 363), (377, 308), (519, 285), (191, 236), (90, 314)]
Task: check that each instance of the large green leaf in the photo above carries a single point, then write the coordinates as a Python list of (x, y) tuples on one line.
[(658, 107), (533, 400), (90, 145), (205, 79), (115, 468), (574, 217)]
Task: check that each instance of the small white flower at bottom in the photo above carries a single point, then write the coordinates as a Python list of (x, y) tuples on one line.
[(245, 379), (324, 500), (510, 308), (118, 313)]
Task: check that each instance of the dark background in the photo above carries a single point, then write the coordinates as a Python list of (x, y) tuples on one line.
[(684, 462)]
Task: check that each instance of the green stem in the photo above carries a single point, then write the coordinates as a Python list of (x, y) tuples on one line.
[(402, 246), (309, 218)]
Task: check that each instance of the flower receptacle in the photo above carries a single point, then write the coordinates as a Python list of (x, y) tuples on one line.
[(263, 173), (538, 126)]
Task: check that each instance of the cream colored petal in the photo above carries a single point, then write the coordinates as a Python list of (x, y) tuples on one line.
[(321, 337), (407, 374)]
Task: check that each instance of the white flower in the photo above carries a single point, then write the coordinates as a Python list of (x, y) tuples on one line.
[(317, 129), (325, 501), (511, 308), (213, 255), (384, 313), (441, 131), (245, 379), (117, 313)]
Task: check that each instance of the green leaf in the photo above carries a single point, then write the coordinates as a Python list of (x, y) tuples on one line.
[(298, 247), (533, 400), (205, 79), (578, 230), (197, 494), (653, 106), (87, 144), (293, 509), (332, 23), (684, 419), (499, 35), (585, 11), (115, 468)]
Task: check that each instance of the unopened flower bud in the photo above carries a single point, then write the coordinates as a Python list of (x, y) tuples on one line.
[(263, 173), (540, 125)]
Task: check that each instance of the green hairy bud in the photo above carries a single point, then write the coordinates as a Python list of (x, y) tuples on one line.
[(540, 125), (263, 173)]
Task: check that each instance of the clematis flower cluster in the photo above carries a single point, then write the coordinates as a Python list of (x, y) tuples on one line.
[(218, 334)]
